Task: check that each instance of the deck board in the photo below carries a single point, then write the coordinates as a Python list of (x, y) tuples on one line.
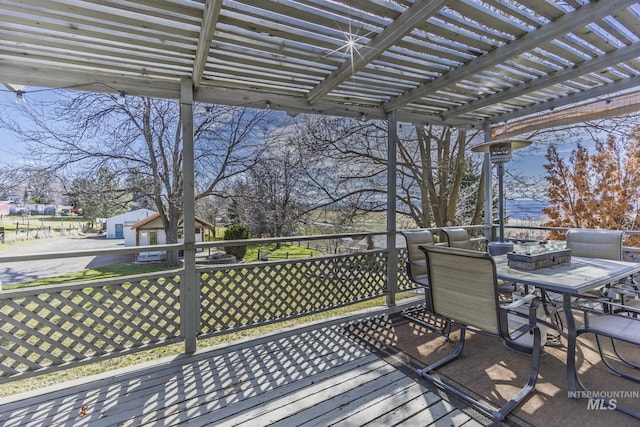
[(312, 376)]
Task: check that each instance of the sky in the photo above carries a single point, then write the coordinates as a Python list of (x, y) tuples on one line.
[(528, 161)]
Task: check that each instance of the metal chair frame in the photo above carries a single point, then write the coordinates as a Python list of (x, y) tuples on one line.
[(616, 326), (417, 272), (470, 276)]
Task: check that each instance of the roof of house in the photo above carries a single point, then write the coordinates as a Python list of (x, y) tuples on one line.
[(134, 213), (149, 222)]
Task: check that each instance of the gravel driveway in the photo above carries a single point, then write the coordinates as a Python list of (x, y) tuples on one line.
[(25, 271)]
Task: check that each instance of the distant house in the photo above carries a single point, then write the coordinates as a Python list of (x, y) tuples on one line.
[(150, 231), (118, 227), (5, 207)]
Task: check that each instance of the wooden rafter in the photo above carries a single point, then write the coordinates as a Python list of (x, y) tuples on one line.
[(528, 41), (414, 15), (209, 20), (455, 62)]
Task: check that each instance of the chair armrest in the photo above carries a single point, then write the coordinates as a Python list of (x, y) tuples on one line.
[(520, 302), (531, 315), (582, 301), (627, 289), (615, 326)]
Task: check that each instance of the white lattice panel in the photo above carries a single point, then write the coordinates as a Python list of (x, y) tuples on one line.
[(45, 327), (251, 294)]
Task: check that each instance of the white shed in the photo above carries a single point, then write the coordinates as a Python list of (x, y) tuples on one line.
[(150, 231), (119, 226)]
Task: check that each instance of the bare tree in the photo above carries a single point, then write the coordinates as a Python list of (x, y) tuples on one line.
[(275, 192), (142, 140), (347, 161)]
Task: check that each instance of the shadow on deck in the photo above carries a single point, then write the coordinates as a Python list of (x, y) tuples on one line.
[(349, 371)]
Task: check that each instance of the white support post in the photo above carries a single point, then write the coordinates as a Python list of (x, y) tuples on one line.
[(190, 288), (392, 251), (488, 190)]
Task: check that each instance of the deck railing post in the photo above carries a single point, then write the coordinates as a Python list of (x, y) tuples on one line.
[(190, 289)]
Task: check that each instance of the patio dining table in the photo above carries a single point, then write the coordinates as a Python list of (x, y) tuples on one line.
[(571, 279)]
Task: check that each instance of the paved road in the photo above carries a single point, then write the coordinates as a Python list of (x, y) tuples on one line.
[(25, 271)]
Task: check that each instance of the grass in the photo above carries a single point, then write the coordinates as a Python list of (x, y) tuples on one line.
[(114, 270), (84, 371), (36, 222), (283, 252)]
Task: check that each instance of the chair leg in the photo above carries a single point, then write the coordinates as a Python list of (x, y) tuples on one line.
[(610, 367), (433, 322), (533, 376), (607, 402), (622, 359), (447, 359), (497, 414)]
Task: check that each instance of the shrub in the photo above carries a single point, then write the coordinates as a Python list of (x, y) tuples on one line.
[(236, 232)]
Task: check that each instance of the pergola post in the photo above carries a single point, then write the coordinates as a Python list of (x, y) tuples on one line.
[(392, 252), (488, 190), (190, 287)]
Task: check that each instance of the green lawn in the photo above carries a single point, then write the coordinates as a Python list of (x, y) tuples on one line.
[(115, 270)]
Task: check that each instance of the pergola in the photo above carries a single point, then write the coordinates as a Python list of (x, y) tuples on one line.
[(467, 63), (496, 65)]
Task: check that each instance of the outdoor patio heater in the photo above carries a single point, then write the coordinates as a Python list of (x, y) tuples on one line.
[(500, 153)]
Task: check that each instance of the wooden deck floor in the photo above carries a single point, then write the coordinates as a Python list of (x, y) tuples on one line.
[(312, 376)]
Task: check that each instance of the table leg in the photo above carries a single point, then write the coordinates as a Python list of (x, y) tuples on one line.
[(571, 344)]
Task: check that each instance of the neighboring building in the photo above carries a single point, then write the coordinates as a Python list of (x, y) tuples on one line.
[(5, 207), (118, 227), (150, 231)]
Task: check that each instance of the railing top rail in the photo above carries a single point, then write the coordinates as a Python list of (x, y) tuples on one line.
[(270, 240), (539, 227), (179, 246), (88, 252)]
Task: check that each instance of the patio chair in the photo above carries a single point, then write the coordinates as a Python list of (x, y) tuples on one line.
[(458, 238), (416, 261), (616, 327), (605, 244), (464, 290), (417, 272)]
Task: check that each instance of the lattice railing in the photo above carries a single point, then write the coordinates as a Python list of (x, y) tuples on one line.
[(44, 328), (404, 283), (244, 295)]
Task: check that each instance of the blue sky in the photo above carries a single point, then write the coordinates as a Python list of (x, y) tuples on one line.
[(529, 161)]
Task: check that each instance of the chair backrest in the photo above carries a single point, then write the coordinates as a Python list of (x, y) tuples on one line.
[(595, 243), (464, 288), (417, 262), (458, 238)]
